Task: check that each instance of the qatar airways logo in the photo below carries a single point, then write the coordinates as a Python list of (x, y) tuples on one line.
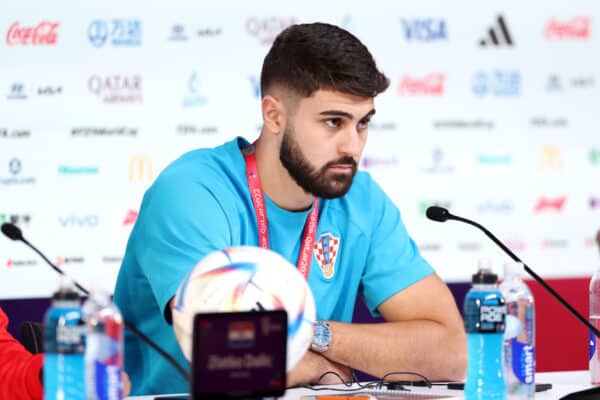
[(116, 88), (44, 33), (578, 28), (429, 85), (550, 204), (265, 29)]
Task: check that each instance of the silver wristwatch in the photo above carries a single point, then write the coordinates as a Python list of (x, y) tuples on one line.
[(321, 337)]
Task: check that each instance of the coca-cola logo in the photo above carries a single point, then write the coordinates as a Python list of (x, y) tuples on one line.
[(117, 88), (576, 28), (429, 85), (43, 34), (267, 28)]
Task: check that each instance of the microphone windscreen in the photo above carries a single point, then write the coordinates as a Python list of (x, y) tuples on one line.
[(12, 231), (435, 213)]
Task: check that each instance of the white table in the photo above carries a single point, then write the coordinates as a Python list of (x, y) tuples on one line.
[(563, 383)]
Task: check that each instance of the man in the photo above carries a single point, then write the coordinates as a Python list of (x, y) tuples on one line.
[(20, 371), (318, 85)]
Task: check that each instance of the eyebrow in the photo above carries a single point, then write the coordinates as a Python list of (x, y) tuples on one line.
[(338, 113)]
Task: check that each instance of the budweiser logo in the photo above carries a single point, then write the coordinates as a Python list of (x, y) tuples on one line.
[(430, 85), (555, 204), (576, 28), (44, 34)]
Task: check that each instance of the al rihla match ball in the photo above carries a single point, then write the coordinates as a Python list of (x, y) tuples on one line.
[(238, 279)]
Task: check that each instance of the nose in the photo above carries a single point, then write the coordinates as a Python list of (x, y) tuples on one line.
[(351, 143)]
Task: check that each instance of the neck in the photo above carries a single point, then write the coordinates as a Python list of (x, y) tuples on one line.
[(276, 181)]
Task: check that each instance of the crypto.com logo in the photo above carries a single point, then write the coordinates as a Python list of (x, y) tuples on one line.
[(550, 204), (578, 28), (43, 34)]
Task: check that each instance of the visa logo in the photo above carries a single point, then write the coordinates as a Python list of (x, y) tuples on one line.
[(77, 221), (255, 86), (550, 204), (424, 29)]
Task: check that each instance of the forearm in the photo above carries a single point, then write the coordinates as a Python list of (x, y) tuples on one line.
[(422, 346), (312, 367)]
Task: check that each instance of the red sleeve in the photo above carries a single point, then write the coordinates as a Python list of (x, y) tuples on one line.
[(19, 369)]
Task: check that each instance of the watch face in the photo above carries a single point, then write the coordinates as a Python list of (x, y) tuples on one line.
[(321, 337)]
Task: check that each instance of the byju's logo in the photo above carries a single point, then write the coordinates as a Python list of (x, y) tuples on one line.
[(550, 204), (578, 28), (79, 221), (16, 91), (194, 96), (429, 85), (424, 29), (117, 32), (497, 83), (594, 203), (116, 88), (497, 35), (44, 34), (371, 162), (265, 29)]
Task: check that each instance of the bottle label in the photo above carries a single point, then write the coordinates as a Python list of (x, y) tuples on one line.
[(108, 381), (523, 361), (592, 345)]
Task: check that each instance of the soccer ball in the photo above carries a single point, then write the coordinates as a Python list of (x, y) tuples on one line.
[(246, 278)]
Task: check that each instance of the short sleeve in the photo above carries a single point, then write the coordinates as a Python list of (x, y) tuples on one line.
[(393, 261), (180, 222)]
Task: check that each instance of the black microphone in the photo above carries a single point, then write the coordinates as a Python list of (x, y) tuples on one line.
[(440, 214), (14, 233)]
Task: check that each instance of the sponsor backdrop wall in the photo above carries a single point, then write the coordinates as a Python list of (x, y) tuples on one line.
[(492, 112)]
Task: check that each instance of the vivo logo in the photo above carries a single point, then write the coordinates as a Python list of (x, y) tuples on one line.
[(424, 29), (79, 221)]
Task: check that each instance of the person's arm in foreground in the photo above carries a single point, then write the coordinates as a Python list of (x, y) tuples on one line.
[(20, 371)]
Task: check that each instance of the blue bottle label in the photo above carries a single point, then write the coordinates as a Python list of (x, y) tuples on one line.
[(486, 316), (592, 345), (523, 361), (108, 381)]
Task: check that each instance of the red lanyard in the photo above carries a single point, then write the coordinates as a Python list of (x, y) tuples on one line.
[(258, 199)]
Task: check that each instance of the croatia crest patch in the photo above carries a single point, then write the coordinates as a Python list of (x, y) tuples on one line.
[(326, 252)]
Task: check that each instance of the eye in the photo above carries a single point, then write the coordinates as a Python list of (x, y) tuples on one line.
[(333, 122), (363, 123)]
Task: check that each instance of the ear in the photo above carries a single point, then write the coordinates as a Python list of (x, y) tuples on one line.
[(273, 113)]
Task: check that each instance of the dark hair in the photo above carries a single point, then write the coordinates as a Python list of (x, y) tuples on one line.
[(307, 57)]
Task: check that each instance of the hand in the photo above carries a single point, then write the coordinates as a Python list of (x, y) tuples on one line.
[(313, 366), (126, 384)]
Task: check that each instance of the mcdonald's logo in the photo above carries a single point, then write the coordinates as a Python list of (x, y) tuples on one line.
[(140, 168)]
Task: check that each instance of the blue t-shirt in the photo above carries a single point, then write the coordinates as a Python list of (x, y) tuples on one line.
[(201, 203)]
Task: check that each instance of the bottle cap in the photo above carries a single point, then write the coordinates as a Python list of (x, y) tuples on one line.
[(484, 273), (513, 268), (66, 290)]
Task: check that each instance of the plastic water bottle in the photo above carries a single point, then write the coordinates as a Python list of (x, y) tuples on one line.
[(485, 314), (595, 321), (64, 345), (519, 336), (104, 348)]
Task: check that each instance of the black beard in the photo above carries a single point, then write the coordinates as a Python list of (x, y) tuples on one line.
[(320, 183)]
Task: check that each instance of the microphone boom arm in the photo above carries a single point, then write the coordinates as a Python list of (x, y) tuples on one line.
[(535, 276)]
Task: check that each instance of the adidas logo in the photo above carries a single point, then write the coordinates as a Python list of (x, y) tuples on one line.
[(497, 35)]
